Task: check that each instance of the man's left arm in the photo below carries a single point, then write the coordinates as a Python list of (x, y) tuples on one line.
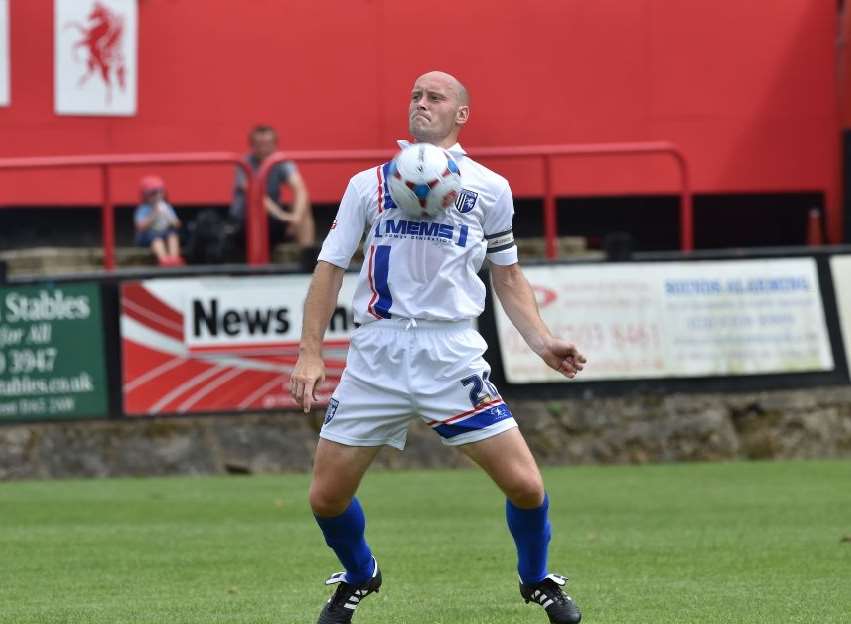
[(518, 300), (301, 198), (275, 211)]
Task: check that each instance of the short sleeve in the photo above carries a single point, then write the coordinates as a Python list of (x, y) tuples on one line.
[(287, 168), (239, 182), (141, 213), (346, 230), (498, 230)]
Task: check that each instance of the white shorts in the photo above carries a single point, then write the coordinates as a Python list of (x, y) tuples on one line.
[(397, 369)]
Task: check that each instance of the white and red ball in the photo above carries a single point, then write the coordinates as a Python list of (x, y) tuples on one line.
[(424, 180)]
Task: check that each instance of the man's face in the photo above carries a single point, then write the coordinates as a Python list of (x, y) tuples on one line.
[(433, 110), (263, 144)]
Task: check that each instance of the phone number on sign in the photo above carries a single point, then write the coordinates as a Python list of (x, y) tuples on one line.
[(17, 361)]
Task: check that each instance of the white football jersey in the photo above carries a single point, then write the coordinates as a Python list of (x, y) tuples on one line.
[(423, 269)]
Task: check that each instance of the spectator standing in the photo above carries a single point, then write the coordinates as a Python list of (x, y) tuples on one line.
[(156, 223)]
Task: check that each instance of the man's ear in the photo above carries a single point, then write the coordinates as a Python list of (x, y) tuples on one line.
[(462, 115)]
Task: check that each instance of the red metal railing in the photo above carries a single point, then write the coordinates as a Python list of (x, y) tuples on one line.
[(257, 237), (256, 222), (105, 162)]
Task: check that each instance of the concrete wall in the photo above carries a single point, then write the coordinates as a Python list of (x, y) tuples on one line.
[(812, 423)]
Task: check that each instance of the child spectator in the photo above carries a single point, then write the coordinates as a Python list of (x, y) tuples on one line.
[(156, 223)]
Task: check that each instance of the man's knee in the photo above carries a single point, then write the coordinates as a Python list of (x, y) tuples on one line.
[(526, 490), (327, 503)]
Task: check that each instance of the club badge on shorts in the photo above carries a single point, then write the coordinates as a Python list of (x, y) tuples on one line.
[(466, 201), (333, 404)]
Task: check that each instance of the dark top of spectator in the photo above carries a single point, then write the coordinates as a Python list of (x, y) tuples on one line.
[(278, 175)]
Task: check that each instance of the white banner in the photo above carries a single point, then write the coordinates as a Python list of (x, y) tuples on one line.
[(5, 54), (246, 313), (840, 269), (95, 50), (686, 319)]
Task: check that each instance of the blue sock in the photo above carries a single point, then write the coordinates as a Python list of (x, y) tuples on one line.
[(344, 534), (531, 532)]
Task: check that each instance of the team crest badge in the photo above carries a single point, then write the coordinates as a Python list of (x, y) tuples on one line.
[(333, 404), (466, 201)]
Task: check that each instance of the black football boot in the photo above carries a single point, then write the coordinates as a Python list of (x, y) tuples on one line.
[(560, 607), (341, 607)]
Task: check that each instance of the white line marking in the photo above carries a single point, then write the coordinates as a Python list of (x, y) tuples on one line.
[(207, 389), (168, 398), (152, 315)]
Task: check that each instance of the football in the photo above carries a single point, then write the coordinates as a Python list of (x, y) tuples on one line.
[(424, 180)]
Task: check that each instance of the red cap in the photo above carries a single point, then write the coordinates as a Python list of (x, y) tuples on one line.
[(151, 183)]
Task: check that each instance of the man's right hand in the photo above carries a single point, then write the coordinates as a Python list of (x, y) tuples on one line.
[(308, 374)]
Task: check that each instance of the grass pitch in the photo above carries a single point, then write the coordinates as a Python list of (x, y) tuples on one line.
[(689, 543)]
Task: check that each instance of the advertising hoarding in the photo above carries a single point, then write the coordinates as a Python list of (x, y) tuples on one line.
[(677, 319), (840, 268), (221, 344), (51, 353)]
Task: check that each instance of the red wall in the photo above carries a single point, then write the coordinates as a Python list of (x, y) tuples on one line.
[(747, 89)]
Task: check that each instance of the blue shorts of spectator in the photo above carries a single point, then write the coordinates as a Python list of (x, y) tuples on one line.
[(144, 239)]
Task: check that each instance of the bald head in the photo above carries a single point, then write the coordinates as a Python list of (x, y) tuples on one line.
[(451, 82), (439, 108)]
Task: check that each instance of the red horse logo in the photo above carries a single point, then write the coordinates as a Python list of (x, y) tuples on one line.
[(102, 38)]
